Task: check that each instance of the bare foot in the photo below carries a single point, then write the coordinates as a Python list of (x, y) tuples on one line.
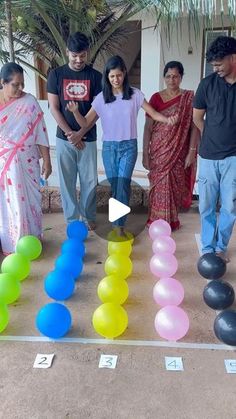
[(120, 231), (91, 225), (223, 255)]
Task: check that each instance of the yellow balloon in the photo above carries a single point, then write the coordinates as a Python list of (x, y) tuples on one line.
[(119, 265), (110, 320), (123, 248), (114, 237), (111, 289)]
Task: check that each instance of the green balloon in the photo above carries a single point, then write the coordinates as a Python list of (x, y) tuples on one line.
[(17, 265), (29, 246), (4, 316), (9, 288)]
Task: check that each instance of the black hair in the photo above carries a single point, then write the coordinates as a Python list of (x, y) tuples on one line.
[(115, 62), (174, 64), (77, 42), (220, 48), (8, 70)]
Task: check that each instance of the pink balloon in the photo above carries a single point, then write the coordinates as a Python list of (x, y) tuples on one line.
[(163, 265), (168, 291), (159, 228), (171, 323), (164, 244)]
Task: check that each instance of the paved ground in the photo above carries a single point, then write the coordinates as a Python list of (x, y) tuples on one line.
[(139, 387)]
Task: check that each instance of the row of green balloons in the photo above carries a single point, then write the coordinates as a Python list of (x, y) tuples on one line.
[(110, 319), (14, 269)]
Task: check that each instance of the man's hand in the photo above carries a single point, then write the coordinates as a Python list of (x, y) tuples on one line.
[(75, 138)]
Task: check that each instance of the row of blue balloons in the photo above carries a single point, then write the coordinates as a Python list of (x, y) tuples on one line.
[(54, 319)]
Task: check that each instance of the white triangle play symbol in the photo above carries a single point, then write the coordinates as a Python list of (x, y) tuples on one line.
[(116, 209)]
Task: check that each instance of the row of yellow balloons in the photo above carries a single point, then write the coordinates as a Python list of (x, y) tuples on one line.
[(110, 319), (14, 269)]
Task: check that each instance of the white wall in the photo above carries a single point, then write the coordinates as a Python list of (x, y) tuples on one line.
[(178, 51), (29, 75)]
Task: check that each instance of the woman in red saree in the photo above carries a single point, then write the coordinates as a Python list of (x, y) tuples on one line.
[(169, 153)]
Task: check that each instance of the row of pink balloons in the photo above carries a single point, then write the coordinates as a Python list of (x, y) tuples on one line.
[(171, 321)]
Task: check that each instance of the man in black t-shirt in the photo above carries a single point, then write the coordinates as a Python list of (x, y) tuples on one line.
[(76, 147), (215, 100)]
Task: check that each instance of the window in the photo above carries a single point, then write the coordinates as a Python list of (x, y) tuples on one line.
[(208, 38)]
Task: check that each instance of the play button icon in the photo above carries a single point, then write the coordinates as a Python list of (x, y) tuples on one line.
[(110, 209), (116, 210)]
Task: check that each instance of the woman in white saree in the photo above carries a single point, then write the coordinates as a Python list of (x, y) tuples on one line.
[(23, 141)]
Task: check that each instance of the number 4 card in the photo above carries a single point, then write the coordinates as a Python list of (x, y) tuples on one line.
[(43, 360), (174, 363)]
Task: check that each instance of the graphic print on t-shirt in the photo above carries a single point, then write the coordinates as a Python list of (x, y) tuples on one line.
[(76, 89)]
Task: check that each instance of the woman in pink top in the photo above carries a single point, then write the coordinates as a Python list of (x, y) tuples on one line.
[(23, 140), (118, 105)]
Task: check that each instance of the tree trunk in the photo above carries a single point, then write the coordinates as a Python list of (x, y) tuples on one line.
[(9, 30), (74, 26)]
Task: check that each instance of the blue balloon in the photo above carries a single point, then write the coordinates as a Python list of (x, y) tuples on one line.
[(70, 263), (54, 320), (77, 230), (74, 246), (59, 285)]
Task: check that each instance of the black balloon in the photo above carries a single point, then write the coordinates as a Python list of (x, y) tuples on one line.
[(218, 294), (211, 266), (225, 327)]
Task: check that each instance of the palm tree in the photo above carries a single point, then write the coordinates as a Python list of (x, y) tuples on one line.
[(9, 30), (41, 27)]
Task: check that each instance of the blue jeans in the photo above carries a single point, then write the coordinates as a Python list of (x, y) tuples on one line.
[(119, 158), (217, 183), (71, 163)]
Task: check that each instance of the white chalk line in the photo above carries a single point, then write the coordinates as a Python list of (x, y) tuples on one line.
[(90, 341)]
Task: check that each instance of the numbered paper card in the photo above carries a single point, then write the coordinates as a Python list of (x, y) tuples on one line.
[(230, 366), (43, 360), (174, 363), (108, 361)]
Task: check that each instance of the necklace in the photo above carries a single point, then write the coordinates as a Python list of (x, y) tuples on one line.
[(171, 95), (3, 99)]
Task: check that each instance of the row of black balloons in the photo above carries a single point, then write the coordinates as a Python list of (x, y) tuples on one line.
[(219, 295)]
